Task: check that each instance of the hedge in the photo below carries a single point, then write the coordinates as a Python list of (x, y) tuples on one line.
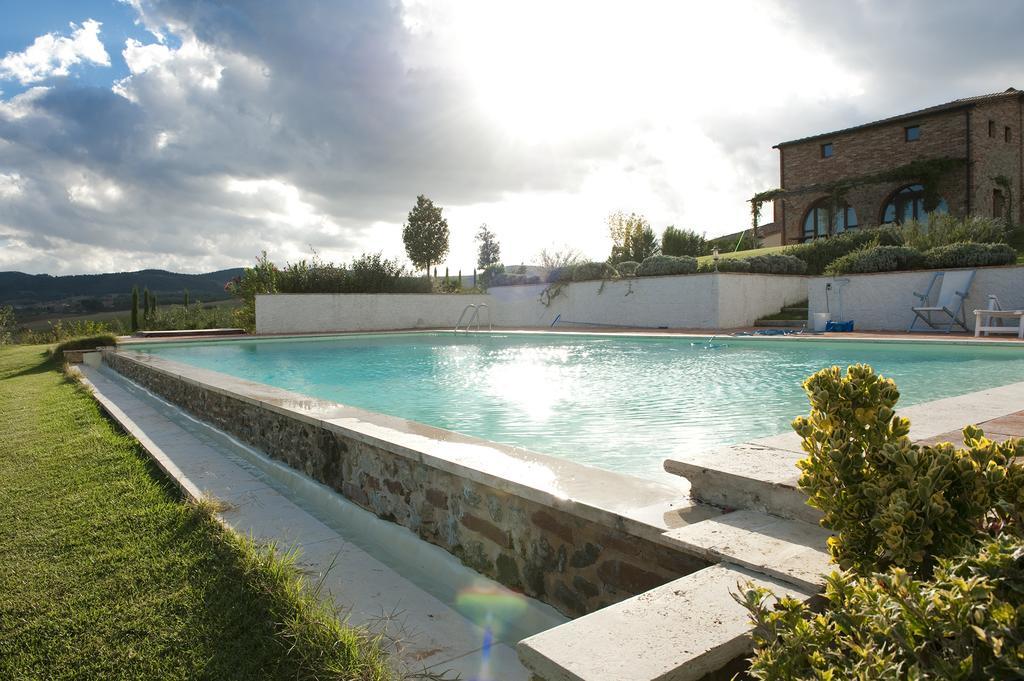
[(970, 255), (877, 259), (588, 271), (659, 265), (627, 268)]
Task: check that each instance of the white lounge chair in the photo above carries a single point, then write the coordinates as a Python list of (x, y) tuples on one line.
[(950, 303)]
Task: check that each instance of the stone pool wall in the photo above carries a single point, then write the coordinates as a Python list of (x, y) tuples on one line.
[(549, 552)]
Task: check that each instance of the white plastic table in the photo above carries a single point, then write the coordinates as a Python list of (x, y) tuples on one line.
[(984, 322)]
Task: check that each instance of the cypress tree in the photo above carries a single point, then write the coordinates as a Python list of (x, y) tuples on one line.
[(152, 304), (145, 304), (186, 298), (135, 309)]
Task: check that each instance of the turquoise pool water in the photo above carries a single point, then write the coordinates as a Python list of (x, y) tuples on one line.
[(619, 402)]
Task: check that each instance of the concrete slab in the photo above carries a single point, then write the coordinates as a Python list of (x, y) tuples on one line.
[(790, 550), (423, 632), (679, 631)]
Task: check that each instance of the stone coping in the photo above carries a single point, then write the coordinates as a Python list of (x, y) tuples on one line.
[(645, 508), (852, 337)]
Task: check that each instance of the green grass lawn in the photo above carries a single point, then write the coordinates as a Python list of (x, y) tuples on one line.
[(106, 574), (742, 254)]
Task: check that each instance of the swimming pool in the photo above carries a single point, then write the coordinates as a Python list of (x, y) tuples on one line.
[(623, 403)]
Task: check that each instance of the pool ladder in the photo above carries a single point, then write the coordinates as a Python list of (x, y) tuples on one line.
[(474, 317)]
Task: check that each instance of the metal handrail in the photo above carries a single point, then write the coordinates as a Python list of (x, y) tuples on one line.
[(466, 309), (480, 307), (475, 317)]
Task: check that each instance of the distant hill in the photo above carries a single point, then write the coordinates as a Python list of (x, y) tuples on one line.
[(20, 289)]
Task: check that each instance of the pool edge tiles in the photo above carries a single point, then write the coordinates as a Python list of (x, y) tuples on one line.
[(576, 537)]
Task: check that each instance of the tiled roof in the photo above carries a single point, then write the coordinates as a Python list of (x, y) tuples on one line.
[(948, 106)]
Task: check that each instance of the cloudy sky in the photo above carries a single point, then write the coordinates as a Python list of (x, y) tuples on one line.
[(191, 134)]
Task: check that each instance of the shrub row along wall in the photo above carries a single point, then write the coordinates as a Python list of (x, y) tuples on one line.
[(548, 551), (697, 301), (882, 301)]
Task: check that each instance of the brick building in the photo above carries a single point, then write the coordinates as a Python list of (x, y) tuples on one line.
[(864, 176)]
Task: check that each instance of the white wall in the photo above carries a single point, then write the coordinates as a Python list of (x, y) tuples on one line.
[(326, 312), (697, 301), (882, 301)]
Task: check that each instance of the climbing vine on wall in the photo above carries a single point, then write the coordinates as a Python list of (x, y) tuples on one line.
[(1003, 182), (927, 172)]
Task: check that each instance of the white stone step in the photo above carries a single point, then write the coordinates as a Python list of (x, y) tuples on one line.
[(680, 631), (748, 476), (790, 550)]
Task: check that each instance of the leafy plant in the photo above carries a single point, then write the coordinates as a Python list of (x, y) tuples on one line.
[(877, 259), (970, 255), (675, 241), (627, 268), (773, 263), (890, 502), (658, 265), (425, 234), (942, 230), (632, 237), (725, 265), (85, 343), (490, 275), (588, 271), (965, 623), (259, 279), (820, 253)]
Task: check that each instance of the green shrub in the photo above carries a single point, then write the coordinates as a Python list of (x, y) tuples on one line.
[(86, 343), (930, 540), (490, 274), (588, 271), (560, 273), (725, 265), (658, 265), (890, 502), (195, 316), (877, 259), (675, 241), (966, 623), (627, 268), (773, 263), (942, 230), (970, 255), (818, 254)]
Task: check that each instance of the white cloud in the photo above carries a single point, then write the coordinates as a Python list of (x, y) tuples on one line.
[(10, 185), (53, 55), (289, 125), (95, 193)]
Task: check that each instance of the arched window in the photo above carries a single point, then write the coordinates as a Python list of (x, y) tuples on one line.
[(908, 204), (822, 221)]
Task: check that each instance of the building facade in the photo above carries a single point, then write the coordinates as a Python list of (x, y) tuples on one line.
[(964, 157)]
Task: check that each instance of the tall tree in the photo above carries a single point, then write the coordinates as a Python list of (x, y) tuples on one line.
[(135, 309), (632, 237), (425, 234), (145, 304), (676, 241), (187, 301), (489, 252), (642, 244)]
